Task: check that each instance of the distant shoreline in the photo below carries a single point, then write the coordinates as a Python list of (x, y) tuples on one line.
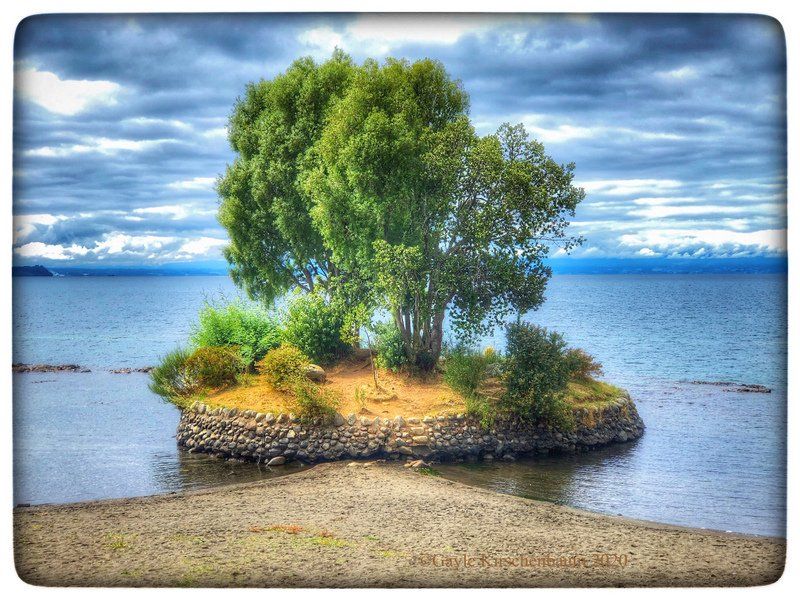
[(560, 266)]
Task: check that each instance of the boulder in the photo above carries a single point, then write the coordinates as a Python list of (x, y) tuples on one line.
[(315, 373), (277, 461)]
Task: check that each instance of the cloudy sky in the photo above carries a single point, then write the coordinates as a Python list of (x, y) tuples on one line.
[(676, 124)]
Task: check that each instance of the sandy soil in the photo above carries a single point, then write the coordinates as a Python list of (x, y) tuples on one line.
[(340, 525), (351, 383)]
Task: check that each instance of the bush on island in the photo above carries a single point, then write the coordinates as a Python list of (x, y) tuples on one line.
[(214, 367), (171, 380), (284, 365), (250, 328), (310, 402), (583, 365), (314, 326), (465, 368), (536, 376)]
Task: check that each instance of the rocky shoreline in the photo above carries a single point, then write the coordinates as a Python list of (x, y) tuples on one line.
[(69, 368), (276, 439)]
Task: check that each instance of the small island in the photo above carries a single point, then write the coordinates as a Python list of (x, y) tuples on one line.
[(538, 397), (374, 216), (30, 271)]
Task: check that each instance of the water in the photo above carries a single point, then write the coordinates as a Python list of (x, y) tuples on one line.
[(709, 458)]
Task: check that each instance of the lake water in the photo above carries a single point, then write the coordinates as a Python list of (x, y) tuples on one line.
[(709, 458)]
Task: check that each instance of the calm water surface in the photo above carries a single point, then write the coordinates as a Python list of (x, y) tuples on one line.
[(708, 458)]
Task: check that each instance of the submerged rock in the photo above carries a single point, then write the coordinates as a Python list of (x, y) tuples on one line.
[(25, 368), (730, 386)]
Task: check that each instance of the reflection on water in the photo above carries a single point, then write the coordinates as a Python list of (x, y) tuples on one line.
[(708, 459), (186, 471), (571, 479), (83, 436)]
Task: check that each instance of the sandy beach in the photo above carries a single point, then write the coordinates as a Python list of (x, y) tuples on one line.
[(357, 525)]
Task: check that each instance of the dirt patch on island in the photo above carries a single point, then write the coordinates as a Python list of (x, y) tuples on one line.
[(351, 382)]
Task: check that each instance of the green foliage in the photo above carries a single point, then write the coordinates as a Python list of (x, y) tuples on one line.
[(315, 327), (465, 369), (482, 409), (371, 177), (442, 218), (274, 246), (310, 402), (171, 380), (583, 365), (283, 366), (536, 376), (214, 367), (389, 348), (252, 329)]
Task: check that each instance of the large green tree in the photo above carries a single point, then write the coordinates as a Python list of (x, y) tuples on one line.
[(445, 220), (274, 246), (392, 197)]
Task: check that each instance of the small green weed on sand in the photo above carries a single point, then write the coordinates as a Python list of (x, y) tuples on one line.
[(119, 541)]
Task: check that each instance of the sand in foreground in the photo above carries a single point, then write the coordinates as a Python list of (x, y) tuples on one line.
[(377, 525)]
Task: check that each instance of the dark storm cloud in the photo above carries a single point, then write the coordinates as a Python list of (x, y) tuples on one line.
[(676, 123)]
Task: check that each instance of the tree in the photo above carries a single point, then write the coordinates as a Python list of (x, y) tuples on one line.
[(274, 246), (371, 182), (441, 218)]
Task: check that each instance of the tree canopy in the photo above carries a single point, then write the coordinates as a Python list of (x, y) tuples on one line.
[(370, 181)]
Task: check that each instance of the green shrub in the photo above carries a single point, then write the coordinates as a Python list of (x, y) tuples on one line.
[(481, 408), (214, 367), (311, 402), (251, 328), (536, 376), (465, 369), (389, 350), (171, 380), (315, 326), (583, 365), (283, 366)]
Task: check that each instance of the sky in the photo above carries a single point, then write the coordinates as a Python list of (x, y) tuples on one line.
[(676, 124)]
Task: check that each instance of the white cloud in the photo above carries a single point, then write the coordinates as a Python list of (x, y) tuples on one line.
[(323, 39), (201, 246), (657, 201), (681, 240), (174, 211), (25, 225), (379, 33), (216, 133), (429, 28), (121, 243), (122, 246), (681, 74), (64, 96), (177, 123), (546, 130), (50, 251), (560, 133), (659, 212), (100, 145), (626, 187), (196, 183), (647, 252)]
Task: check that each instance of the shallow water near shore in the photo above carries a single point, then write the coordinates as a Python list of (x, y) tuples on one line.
[(709, 458)]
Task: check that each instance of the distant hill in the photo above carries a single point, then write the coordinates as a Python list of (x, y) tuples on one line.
[(34, 271)]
